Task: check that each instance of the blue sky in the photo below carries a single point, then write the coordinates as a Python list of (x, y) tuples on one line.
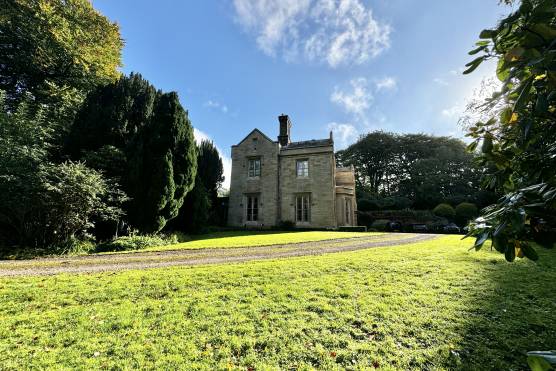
[(350, 66)]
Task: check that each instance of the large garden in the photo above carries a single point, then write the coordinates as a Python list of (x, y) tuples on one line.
[(428, 305)]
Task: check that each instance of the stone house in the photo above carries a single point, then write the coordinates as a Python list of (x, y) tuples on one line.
[(278, 181)]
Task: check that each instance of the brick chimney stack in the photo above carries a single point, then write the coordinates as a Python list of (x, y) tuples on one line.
[(285, 126)]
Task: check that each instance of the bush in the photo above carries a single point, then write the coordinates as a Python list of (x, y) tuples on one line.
[(380, 225), (136, 242), (444, 211), (465, 212)]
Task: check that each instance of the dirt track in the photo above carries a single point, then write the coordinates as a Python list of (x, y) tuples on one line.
[(146, 260)]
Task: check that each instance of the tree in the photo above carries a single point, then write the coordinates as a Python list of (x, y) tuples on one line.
[(162, 166), (210, 168), (43, 203), (112, 115), (518, 140), (423, 168), (194, 214), (143, 138), (52, 47), (200, 205)]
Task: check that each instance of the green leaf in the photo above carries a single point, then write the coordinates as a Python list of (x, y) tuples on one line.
[(476, 50), (487, 34), (500, 243), (506, 115), (502, 70), (473, 64), (537, 363), (525, 92), (487, 144), (472, 146), (529, 252), (510, 253), (481, 239)]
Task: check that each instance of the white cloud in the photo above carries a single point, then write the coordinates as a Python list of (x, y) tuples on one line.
[(344, 134), (451, 112), (356, 101), (226, 160), (440, 81), (340, 32), (216, 105), (386, 83)]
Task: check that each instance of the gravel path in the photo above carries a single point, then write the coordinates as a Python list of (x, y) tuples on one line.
[(146, 260)]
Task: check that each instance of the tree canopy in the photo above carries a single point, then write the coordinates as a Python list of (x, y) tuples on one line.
[(422, 168), (49, 48)]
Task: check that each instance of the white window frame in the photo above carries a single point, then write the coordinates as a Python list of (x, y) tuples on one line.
[(254, 167), (302, 171), (252, 208), (303, 209)]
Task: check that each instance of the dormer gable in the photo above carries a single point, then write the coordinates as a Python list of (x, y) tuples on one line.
[(255, 135)]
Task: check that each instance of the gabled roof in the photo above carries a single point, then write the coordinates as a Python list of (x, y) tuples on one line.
[(309, 144), (253, 131)]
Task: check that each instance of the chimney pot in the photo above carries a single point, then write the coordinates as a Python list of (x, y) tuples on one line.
[(285, 126)]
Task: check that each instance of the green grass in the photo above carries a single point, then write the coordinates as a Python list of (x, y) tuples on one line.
[(259, 238), (430, 305)]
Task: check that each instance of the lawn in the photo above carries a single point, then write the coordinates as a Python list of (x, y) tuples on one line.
[(259, 238), (430, 305)]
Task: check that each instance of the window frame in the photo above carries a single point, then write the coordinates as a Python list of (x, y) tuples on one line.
[(347, 206), (252, 208), (303, 209), (254, 172), (304, 169)]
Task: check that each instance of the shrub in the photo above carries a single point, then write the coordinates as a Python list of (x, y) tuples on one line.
[(380, 224), (465, 212), (137, 242), (444, 211)]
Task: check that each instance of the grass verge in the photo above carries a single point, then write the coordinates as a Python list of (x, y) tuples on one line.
[(430, 305)]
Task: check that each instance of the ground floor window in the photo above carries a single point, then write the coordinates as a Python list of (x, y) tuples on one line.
[(252, 208), (302, 208), (348, 211)]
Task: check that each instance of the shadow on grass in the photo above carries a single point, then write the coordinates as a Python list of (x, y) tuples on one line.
[(511, 311)]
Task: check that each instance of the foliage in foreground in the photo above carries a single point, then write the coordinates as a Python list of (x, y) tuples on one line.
[(44, 203), (518, 134), (432, 305)]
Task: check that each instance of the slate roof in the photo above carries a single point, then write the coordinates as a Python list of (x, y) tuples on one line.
[(308, 144)]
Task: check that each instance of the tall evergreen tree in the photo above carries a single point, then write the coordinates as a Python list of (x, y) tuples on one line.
[(143, 138), (210, 168), (163, 166)]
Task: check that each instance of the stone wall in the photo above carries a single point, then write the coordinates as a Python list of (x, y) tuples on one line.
[(319, 184), (256, 144)]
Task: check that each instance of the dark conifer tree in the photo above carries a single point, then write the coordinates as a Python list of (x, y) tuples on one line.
[(162, 167)]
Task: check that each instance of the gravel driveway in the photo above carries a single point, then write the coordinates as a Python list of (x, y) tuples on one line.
[(146, 260)]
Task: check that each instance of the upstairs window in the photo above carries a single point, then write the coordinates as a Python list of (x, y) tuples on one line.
[(302, 209), (252, 208), (254, 167), (302, 168)]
